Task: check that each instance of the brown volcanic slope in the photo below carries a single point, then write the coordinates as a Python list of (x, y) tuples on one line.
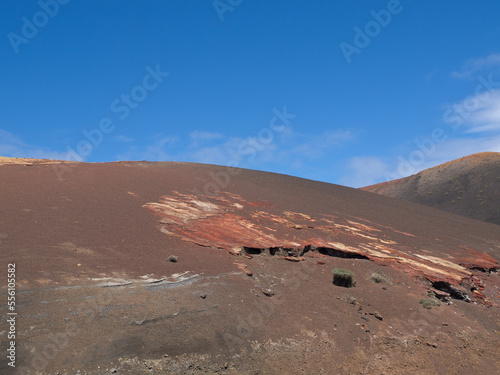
[(469, 186), (252, 290)]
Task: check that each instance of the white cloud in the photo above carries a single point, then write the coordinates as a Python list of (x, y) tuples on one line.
[(210, 155), (484, 116), (473, 126), (316, 146), (199, 138), (369, 170), (158, 150), (13, 146), (286, 148), (364, 171), (473, 66)]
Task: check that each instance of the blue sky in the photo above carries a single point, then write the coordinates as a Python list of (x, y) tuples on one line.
[(338, 91)]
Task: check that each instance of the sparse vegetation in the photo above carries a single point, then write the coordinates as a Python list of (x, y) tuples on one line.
[(342, 277), (427, 303), (350, 299), (381, 278)]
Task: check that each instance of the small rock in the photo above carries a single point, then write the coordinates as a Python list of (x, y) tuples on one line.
[(173, 259), (203, 296), (377, 315), (268, 292), (114, 370), (384, 288), (365, 318)]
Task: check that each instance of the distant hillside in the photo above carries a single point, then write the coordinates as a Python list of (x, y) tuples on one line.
[(469, 186)]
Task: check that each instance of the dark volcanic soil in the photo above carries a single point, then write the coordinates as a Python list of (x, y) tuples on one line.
[(251, 292), (469, 186)]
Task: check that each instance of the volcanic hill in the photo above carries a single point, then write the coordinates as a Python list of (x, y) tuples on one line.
[(181, 268), (469, 186)]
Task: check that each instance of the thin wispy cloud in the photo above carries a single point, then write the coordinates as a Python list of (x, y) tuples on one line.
[(364, 171), (316, 146), (369, 170), (287, 148), (199, 135), (159, 148), (198, 138), (13, 146), (472, 125), (123, 138), (485, 115), (473, 66)]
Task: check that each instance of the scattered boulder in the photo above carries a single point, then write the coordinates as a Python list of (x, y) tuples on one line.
[(377, 315), (173, 259), (268, 292)]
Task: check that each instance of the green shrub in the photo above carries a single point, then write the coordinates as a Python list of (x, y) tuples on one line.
[(427, 303), (381, 278), (343, 278)]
